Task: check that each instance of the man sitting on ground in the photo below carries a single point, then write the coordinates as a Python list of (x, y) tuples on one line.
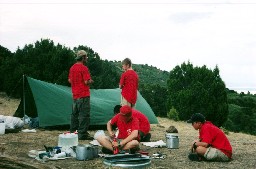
[(128, 126), (213, 145), (144, 125)]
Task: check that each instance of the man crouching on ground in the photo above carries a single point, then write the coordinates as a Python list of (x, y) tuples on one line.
[(128, 126), (213, 145)]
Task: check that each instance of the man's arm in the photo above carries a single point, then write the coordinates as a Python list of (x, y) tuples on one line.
[(132, 136), (199, 143), (109, 128), (88, 82), (121, 82)]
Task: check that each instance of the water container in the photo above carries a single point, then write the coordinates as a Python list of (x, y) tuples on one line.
[(68, 140), (2, 126), (172, 140)]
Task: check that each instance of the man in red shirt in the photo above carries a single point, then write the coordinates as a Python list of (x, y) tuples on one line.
[(128, 131), (144, 125), (80, 80), (213, 145), (129, 84)]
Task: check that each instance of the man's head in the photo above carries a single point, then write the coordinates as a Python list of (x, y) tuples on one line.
[(81, 55), (126, 64), (125, 113), (197, 120), (117, 109)]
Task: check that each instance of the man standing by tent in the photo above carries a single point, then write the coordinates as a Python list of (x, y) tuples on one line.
[(129, 84), (80, 80)]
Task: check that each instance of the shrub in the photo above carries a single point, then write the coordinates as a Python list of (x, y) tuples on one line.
[(173, 114)]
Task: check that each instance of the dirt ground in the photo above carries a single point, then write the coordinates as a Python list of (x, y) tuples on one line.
[(14, 147)]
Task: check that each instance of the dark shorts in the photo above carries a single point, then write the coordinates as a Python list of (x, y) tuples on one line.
[(144, 137)]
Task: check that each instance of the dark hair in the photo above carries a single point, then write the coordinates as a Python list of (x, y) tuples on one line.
[(197, 117), (117, 109)]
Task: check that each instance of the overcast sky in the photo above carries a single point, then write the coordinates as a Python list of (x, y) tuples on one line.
[(161, 33)]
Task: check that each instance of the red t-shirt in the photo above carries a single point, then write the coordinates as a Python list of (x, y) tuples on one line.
[(212, 135), (79, 73), (129, 83), (144, 124), (124, 128)]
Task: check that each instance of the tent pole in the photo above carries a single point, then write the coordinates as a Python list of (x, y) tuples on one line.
[(24, 107)]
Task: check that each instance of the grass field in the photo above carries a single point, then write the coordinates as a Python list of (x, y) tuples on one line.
[(14, 147)]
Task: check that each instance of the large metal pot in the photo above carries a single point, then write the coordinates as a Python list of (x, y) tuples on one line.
[(84, 152), (172, 140), (95, 151)]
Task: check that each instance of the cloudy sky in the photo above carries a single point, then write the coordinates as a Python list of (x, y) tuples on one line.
[(161, 33)]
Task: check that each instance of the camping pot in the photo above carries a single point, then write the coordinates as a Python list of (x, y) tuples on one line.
[(95, 151), (172, 140), (84, 152)]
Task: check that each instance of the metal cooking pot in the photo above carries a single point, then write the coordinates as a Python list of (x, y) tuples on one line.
[(95, 151), (84, 152), (172, 140)]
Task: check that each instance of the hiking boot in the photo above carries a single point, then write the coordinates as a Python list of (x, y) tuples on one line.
[(134, 150), (194, 157), (86, 137), (106, 151)]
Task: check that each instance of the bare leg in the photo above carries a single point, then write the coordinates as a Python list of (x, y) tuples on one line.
[(131, 144), (105, 142), (201, 150)]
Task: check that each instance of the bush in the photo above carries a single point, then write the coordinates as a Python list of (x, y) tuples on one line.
[(173, 114)]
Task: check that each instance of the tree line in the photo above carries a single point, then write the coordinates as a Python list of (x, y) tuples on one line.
[(176, 94)]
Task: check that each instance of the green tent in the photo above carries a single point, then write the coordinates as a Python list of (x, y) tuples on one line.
[(52, 104)]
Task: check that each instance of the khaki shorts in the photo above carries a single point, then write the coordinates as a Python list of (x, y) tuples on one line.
[(125, 102), (213, 154)]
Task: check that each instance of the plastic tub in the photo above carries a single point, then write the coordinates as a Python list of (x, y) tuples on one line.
[(68, 140), (2, 128)]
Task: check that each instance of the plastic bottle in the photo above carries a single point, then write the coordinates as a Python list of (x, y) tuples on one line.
[(115, 149)]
